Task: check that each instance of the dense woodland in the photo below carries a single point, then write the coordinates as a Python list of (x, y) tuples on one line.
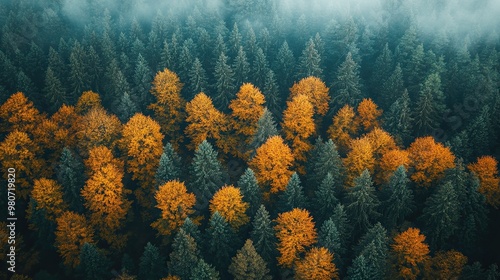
[(248, 140)]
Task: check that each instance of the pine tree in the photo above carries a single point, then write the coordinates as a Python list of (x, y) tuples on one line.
[(360, 269), (480, 133), (441, 215), (310, 62), (197, 78), (220, 242), (393, 87), (373, 245), (206, 173), (169, 167), (192, 229), (383, 69), (142, 83), (474, 214), (262, 235), (266, 128), (430, 106), (329, 237), (293, 196), (326, 199), (203, 271), (235, 40), (347, 84), (126, 107), (71, 176), (184, 255), (241, 67), (272, 93), (399, 120), (152, 264), (399, 203), (362, 202), (79, 78), (260, 68), (248, 264), (93, 263), (285, 64), (54, 92), (224, 86), (325, 160), (251, 191)]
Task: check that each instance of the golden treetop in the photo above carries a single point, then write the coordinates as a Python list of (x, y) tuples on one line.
[(88, 100), (486, 169), (18, 113), (368, 114), (316, 265), (166, 85), (228, 201), (247, 108), (316, 90)]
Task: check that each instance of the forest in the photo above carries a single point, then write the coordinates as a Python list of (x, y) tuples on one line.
[(218, 139)]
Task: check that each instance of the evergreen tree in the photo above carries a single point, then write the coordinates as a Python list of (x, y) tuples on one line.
[(220, 242), (263, 236), (169, 167), (329, 237), (285, 66), (224, 85), (293, 196), (373, 245), (70, 174), (392, 88), (54, 92), (206, 173), (362, 202), (126, 107), (326, 200), (220, 46), (360, 269), (399, 203), (184, 255), (383, 69), (79, 78), (93, 264), (474, 215), (251, 191), (430, 106), (260, 68), (480, 133), (399, 119), (235, 40), (142, 83), (192, 229), (151, 264), (248, 264), (241, 67), (441, 215), (325, 159), (272, 93), (203, 271), (197, 79), (310, 62), (347, 84), (266, 128)]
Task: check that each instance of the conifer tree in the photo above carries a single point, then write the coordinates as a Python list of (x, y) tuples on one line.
[(384, 67), (126, 107), (203, 271), (362, 202), (71, 176), (241, 67), (329, 237), (142, 83), (93, 263), (272, 93), (373, 245), (326, 199), (248, 264), (192, 229), (347, 85), (360, 269), (220, 242), (310, 62), (399, 118), (224, 85), (399, 203), (430, 106), (324, 160), (266, 128), (260, 68), (184, 255), (197, 78), (393, 87), (54, 92), (152, 264), (169, 167), (251, 191), (293, 196), (262, 235), (285, 64)]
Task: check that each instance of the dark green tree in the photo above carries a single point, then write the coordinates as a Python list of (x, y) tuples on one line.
[(272, 93), (325, 159), (262, 235), (392, 87), (220, 242), (241, 67), (430, 106), (285, 66), (203, 271), (248, 264), (53, 91), (142, 83), (235, 40), (70, 174), (293, 196), (152, 264), (192, 229), (373, 245), (347, 84), (224, 86), (480, 132), (220, 46), (310, 62), (362, 203), (325, 197), (197, 79), (251, 191), (184, 255), (260, 68), (79, 77), (383, 69), (126, 107), (399, 199), (399, 120), (329, 238), (169, 167), (266, 128), (93, 264), (360, 269)]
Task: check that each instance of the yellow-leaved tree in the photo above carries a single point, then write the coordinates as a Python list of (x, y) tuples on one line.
[(142, 146), (343, 128), (410, 253), (389, 162), (205, 122), (298, 126), (445, 265), (317, 92), (18, 113), (49, 196), (359, 158), (175, 203), (272, 164), (295, 232), (72, 232), (486, 169), (169, 105), (368, 114), (105, 196), (316, 265), (88, 100), (228, 201), (246, 111)]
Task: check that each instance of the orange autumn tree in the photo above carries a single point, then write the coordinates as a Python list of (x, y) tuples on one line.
[(204, 122), (49, 196), (446, 265), (410, 253), (105, 196), (295, 232), (247, 108), (88, 100), (97, 128), (272, 164), (228, 201), (486, 169), (317, 92), (141, 142), (72, 233), (64, 118), (359, 158), (389, 162), (18, 151), (316, 265), (368, 114), (168, 108), (429, 160), (18, 113), (175, 203), (382, 143), (344, 127), (298, 126)]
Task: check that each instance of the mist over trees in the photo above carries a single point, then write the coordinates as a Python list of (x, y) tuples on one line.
[(222, 139)]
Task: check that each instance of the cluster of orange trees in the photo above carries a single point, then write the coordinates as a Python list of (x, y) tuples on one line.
[(124, 158)]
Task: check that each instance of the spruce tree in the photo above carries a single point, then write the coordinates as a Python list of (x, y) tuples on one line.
[(430, 106), (293, 196), (197, 79), (241, 67), (474, 215), (326, 200), (142, 83), (251, 191), (53, 90), (360, 269), (347, 84), (152, 264), (399, 199), (203, 271), (310, 62), (392, 87), (260, 68), (285, 66), (248, 264), (329, 237), (126, 108), (263, 236), (399, 118), (79, 78), (235, 40), (362, 203), (224, 86), (184, 255), (192, 229), (272, 93), (383, 69), (220, 242), (169, 167), (374, 246), (325, 159), (93, 264), (70, 174), (480, 133), (266, 128)]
